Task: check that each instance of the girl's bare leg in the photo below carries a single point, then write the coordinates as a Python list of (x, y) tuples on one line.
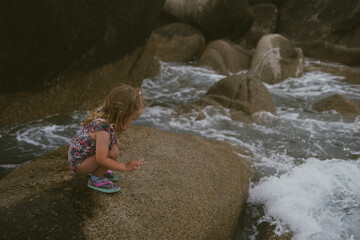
[(90, 165)]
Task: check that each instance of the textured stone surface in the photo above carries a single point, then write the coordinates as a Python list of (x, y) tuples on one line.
[(81, 91), (338, 103), (177, 42), (324, 29), (265, 22), (276, 59), (241, 94), (188, 188), (41, 39), (216, 19), (225, 57)]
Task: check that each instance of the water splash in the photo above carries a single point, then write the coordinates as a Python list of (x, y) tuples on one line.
[(316, 200)]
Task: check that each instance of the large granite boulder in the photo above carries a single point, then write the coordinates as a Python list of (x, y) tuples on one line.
[(276, 59), (225, 57), (43, 38), (78, 91), (338, 103), (177, 42), (242, 94), (325, 29), (215, 18), (266, 20), (188, 188)]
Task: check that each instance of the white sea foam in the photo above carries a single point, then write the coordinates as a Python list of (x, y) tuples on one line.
[(179, 84), (9, 166), (156, 116), (314, 85), (25, 142), (43, 136), (315, 200)]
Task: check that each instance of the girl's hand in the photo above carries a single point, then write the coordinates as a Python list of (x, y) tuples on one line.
[(135, 165)]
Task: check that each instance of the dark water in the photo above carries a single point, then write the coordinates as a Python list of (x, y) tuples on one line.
[(22, 143)]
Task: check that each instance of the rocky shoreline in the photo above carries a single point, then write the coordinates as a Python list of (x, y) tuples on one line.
[(55, 71)]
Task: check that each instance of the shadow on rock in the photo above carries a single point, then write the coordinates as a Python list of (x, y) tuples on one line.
[(57, 213)]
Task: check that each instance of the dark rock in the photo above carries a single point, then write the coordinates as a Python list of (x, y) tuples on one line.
[(338, 103), (324, 29), (43, 38), (177, 42), (266, 20), (215, 19), (330, 52), (201, 116), (194, 194), (267, 232), (225, 57), (79, 91), (276, 59)]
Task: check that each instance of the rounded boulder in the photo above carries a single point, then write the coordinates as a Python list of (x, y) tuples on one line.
[(177, 42), (338, 103), (215, 18), (276, 59), (240, 93), (225, 57)]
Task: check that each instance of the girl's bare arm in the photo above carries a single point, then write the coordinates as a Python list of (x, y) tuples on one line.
[(102, 155)]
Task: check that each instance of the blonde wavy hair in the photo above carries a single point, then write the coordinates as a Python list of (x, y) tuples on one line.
[(119, 105)]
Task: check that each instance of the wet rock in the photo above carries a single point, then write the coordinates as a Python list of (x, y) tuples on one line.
[(267, 232), (351, 74), (338, 103), (177, 42), (355, 155), (188, 188), (215, 19), (200, 116), (276, 59), (225, 57), (266, 19), (240, 117), (328, 30), (239, 93)]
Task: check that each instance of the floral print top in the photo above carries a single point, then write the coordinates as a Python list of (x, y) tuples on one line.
[(83, 146)]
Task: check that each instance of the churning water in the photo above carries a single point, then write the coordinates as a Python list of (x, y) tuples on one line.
[(308, 173)]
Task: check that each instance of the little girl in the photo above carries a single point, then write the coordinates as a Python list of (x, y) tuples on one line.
[(94, 149)]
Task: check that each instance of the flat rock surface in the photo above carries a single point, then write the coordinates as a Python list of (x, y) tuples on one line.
[(188, 188)]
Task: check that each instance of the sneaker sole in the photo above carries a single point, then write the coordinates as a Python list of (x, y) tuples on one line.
[(112, 190)]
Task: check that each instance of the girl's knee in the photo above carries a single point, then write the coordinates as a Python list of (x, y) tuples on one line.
[(114, 153)]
